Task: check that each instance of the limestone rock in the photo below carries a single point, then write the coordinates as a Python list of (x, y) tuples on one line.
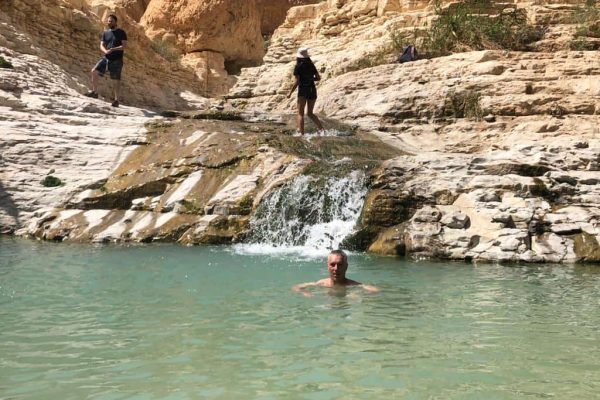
[(273, 12), (229, 27), (455, 220), (148, 78)]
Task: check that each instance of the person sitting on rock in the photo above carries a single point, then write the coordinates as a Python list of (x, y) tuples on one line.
[(337, 265), (112, 45), (305, 74)]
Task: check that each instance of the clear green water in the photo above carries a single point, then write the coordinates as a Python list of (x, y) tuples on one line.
[(167, 322)]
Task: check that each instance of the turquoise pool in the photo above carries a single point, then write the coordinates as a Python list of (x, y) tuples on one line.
[(170, 322)]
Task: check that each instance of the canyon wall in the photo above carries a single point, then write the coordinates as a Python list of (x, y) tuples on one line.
[(495, 155)]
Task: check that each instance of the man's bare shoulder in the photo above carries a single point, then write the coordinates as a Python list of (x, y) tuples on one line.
[(324, 282)]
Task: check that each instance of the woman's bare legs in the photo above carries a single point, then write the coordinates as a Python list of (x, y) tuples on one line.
[(309, 112), (300, 117)]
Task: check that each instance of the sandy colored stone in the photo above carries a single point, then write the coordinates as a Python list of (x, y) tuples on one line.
[(273, 12), (228, 27), (67, 34)]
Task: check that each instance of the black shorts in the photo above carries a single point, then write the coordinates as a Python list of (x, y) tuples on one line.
[(114, 67), (308, 92)]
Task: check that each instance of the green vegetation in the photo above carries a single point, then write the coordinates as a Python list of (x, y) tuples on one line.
[(464, 104), (4, 63), (165, 50), (190, 207), (158, 127), (471, 25), (245, 205), (266, 42), (221, 115), (51, 181), (464, 26), (587, 19), (382, 55)]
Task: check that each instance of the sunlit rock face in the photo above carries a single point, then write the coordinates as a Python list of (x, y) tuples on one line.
[(228, 27), (49, 129), (273, 12), (491, 155), (198, 182), (66, 33), (494, 183)]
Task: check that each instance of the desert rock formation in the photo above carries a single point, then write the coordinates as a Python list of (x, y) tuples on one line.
[(495, 155), (230, 28), (49, 129), (493, 187), (273, 12)]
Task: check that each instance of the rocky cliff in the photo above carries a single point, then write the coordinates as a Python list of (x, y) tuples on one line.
[(66, 33), (504, 145), (481, 155), (179, 52)]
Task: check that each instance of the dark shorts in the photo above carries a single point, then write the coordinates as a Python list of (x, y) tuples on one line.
[(114, 67), (307, 92)]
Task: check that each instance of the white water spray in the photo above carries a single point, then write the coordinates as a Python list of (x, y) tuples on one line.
[(308, 215)]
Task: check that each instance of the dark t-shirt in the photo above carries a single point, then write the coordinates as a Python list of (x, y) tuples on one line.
[(112, 39), (306, 72)]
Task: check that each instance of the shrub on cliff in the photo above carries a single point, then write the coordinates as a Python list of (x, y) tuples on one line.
[(464, 105), (51, 181), (164, 49), (587, 20), (4, 63), (472, 25)]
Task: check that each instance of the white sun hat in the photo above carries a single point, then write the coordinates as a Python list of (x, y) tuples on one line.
[(302, 52)]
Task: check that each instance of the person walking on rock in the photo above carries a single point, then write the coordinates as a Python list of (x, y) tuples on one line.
[(112, 45), (305, 74)]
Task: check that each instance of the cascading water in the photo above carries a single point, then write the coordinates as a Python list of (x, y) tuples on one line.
[(308, 215)]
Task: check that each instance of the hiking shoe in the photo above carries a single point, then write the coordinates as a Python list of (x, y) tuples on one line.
[(91, 94), (115, 103)]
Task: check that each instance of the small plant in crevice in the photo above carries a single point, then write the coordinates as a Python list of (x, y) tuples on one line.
[(165, 50), (4, 63), (52, 181), (266, 42), (464, 104)]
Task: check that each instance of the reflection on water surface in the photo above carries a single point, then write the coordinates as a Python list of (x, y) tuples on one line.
[(156, 322)]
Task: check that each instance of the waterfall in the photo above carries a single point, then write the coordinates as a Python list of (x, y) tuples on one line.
[(308, 214)]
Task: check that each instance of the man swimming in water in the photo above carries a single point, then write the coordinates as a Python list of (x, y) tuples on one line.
[(337, 265)]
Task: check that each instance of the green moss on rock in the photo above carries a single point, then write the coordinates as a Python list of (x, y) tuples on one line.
[(586, 247), (52, 181), (4, 63)]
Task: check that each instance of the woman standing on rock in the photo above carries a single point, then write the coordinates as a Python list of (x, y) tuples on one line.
[(306, 74)]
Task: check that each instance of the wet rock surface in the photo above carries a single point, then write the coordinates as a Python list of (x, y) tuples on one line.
[(198, 181)]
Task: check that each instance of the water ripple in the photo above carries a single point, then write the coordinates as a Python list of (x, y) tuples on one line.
[(170, 322)]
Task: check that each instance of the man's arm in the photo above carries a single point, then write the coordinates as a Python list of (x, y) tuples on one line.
[(119, 48), (370, 289), (103, 48), (300, 288)]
